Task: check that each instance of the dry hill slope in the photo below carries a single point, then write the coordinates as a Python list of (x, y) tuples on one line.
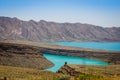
[(16, 29), (20, 55)]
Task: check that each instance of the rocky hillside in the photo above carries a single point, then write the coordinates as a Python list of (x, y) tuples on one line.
[(15, 29), (20, 55)]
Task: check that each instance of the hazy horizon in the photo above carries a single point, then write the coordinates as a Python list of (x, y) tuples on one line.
[(105, 13)]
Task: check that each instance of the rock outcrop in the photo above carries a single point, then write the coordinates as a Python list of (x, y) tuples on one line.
[(76, 70), (22, 56), (66, 69), (15, 29)]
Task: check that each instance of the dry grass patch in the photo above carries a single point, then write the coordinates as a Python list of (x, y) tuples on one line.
[(15, 73)]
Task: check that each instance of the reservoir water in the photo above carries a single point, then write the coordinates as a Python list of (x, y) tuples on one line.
[(60, 60), (112, 46)]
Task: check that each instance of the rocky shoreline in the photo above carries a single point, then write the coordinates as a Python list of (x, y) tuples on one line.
[(19, 55), (108, 56)]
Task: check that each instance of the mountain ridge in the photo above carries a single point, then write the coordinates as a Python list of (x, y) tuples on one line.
[(42, 31)]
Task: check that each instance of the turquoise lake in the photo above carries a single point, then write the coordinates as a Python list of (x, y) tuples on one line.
[(112, 46), (60, 60)]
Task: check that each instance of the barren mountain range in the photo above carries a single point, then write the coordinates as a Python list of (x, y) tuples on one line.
[(41, 31)]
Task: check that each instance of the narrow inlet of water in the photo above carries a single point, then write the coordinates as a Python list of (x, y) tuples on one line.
[(59, 61)]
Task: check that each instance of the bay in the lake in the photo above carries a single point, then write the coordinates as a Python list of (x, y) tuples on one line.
[(59, 60)]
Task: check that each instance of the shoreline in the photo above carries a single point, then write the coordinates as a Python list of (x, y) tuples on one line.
[(103, 55)]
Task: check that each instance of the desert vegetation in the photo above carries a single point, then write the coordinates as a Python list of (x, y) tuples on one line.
[(17, 73)]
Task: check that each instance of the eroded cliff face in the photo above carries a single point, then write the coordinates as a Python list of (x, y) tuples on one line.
[(15, 29), (22, 56)]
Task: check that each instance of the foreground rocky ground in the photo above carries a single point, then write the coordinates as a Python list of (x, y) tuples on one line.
[(75, 70), (87, 72)]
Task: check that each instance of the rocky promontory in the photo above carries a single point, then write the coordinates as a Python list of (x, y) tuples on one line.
[(20, 55)]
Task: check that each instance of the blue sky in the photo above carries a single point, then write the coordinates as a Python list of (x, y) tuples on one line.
[(104, 13)]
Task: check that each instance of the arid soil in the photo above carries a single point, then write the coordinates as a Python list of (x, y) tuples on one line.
[(20, 55)]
